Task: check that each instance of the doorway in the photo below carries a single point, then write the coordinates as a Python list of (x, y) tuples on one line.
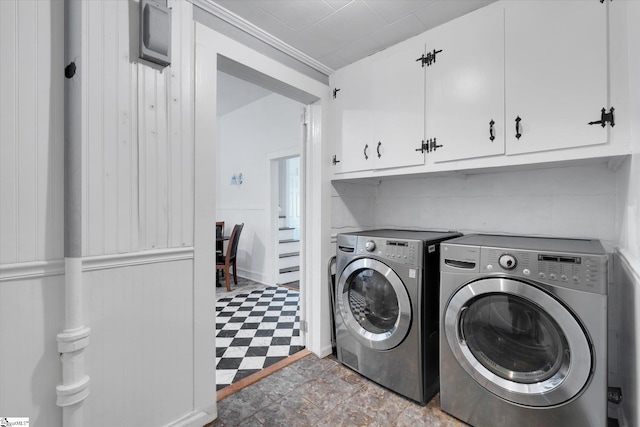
[(258, 142), (215, 51), (289, 220)]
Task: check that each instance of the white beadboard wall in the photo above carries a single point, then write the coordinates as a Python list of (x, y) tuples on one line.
[(137, 134), (31, 315), (140, 356), (138, 191), (576, 201), (247, 137), (31, 131)]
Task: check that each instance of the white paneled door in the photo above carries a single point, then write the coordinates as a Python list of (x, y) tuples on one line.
[(556, 79), (465, 87)]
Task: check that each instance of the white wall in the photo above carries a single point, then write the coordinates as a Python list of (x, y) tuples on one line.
[(628, 259), (577, 201), (246, 138), (31, 315), (31, 211), (140, 356), (137, 134), (31, 131)]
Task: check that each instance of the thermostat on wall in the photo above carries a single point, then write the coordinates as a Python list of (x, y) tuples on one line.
[(155, 31)]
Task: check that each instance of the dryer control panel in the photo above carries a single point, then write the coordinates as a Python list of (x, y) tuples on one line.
[(584, 272)]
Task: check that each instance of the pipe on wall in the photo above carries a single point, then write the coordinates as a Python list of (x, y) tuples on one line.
[(73, 340)]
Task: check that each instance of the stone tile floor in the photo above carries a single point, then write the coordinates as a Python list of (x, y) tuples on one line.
[(322, 392)]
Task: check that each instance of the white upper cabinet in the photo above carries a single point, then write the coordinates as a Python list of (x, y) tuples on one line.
[(512, 83), (377, 118), (556, 74), (350, 115), (397, 108), (465, 87)]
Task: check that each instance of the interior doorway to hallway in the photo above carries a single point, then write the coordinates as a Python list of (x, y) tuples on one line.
[(288, 229), (259, 145)]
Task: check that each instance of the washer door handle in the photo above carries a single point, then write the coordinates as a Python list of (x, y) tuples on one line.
[(461, 338)]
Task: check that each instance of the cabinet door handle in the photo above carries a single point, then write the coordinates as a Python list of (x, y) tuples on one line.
[(518, 134), (378, 149), (366, 146), (492, 134)]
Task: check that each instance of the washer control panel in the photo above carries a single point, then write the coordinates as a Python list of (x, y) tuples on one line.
[(406, 252), (577, 271), (507, 261)]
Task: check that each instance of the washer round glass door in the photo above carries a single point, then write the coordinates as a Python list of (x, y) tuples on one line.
[(374, 304), (518, 342)]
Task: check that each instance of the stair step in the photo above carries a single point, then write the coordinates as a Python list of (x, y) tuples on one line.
[(288, 262), (290, 269), (289, 254), (288, 277), (286, 233), (288, 241), (287, 246), (295, 285), (286, 228)]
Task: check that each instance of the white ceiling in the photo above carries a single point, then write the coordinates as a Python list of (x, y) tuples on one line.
[(339, 32)]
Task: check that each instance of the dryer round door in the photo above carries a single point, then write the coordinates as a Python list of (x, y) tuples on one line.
[(518, 342), (374, 304)]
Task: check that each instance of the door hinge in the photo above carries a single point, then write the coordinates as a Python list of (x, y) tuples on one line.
[(605, 118), (429, 58), (303, 326), (429, 145), (335, 92)]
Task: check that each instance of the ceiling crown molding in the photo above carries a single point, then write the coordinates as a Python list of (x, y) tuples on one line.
[(246, 26)]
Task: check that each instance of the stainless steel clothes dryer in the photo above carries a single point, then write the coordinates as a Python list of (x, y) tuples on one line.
[(386, 308), (523, 338)]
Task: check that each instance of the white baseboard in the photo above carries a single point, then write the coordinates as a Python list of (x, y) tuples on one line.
[(255, 276), (195, 419)]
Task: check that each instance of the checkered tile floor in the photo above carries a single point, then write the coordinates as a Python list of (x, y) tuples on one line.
[(255, 330)]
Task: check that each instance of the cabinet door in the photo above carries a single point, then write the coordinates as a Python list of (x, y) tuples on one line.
[(465, 87), (397, 107), (556, 73), (351, 120)]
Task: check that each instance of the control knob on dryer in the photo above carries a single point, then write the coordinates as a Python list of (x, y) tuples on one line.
[(370, 246)]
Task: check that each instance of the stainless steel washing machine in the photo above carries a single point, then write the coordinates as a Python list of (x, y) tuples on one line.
[(523, 338), (386, 308)]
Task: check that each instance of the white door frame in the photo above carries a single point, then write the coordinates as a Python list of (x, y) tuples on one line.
[(209, 45)]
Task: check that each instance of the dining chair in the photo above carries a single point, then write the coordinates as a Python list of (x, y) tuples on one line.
[(219, 246), (219, 241), (229, 259)]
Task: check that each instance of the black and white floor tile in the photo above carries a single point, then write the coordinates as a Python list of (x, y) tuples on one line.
[(255, 330)]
